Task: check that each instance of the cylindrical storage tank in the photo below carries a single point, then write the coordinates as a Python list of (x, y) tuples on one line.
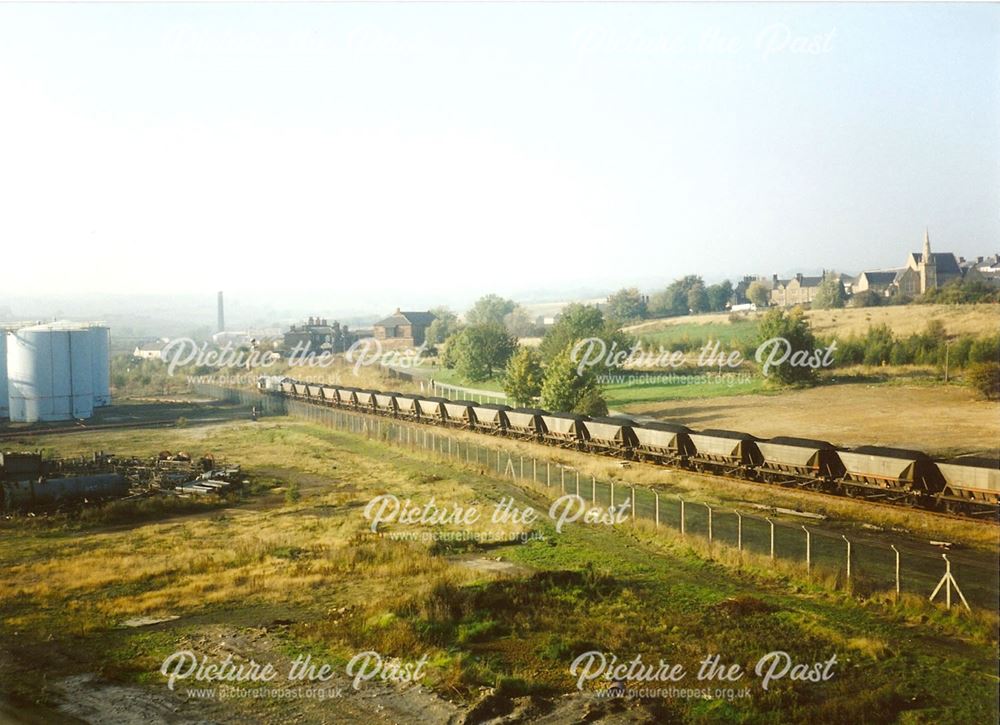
[(50, 373), (81, 378), (4, 402), (29, 375), (101, 350)]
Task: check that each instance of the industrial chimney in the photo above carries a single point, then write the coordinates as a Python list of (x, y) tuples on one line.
[(222, 315)]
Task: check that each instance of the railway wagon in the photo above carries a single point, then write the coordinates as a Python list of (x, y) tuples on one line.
[(385, 403), (613, 434), (406, 405), (895, 469), (526, 422), (432, 408), (345, 396), (786, 456), (366, 399), (288, 387), (315, 391), (727, 450), (45, 493), (301, 390), (329, 395), (972, 479), (565, 429), (491, 417), (663, 442), (460, 413)]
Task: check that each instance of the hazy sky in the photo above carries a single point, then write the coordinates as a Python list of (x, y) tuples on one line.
[(508, 147)]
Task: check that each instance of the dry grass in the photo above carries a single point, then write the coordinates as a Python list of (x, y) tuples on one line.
[(939, 419), (903, 319)]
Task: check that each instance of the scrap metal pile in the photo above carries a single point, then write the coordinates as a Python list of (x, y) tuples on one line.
[(29, 482)]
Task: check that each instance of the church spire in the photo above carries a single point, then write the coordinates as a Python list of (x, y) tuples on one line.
[(927, 246)]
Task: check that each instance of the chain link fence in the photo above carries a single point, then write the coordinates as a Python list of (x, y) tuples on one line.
[(864, 561)]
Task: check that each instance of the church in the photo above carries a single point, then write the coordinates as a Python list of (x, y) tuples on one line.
[(924, 271)]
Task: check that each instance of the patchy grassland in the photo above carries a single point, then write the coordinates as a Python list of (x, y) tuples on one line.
[(944, 420), (980, 320), (272, 578)]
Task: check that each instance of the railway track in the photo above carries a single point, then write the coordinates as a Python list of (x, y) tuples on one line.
[(860, 490)]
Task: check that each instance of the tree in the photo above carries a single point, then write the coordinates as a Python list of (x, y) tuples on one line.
[(518, 323), (580, 322), (565, 388), (985, 379), (626, 305), (719, 295), (758, 293), (479, 351), (674, 300), (830, 294), (490, 309), (868, 298), (445, 325), (697, 298), (793, 328), (878, 345), (523, 377)]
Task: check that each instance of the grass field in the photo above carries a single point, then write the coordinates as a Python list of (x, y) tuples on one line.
[(939, 419), (272, 577), (979, 320)]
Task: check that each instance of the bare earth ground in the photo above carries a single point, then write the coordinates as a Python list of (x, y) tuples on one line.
[(941, 420), (903, 319)]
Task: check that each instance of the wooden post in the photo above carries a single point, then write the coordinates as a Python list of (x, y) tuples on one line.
[(739, 530), (656, 498), (772, 537), (808, 550)]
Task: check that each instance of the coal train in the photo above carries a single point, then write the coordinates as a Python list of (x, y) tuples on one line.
[(969, 486)]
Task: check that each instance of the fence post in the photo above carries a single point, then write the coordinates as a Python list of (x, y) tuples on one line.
[(548, 477), (612, 494), (893, 547), (578, 484), (709, 523), (521, 466), (593, 489), (808, 550), (682, 515), (848, 556), (534, 470), (739, 530), (948, 581), (656, 497), (772, 537), (562, 478), (632, 505)]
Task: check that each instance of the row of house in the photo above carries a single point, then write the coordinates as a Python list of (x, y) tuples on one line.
[(922, 272)]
